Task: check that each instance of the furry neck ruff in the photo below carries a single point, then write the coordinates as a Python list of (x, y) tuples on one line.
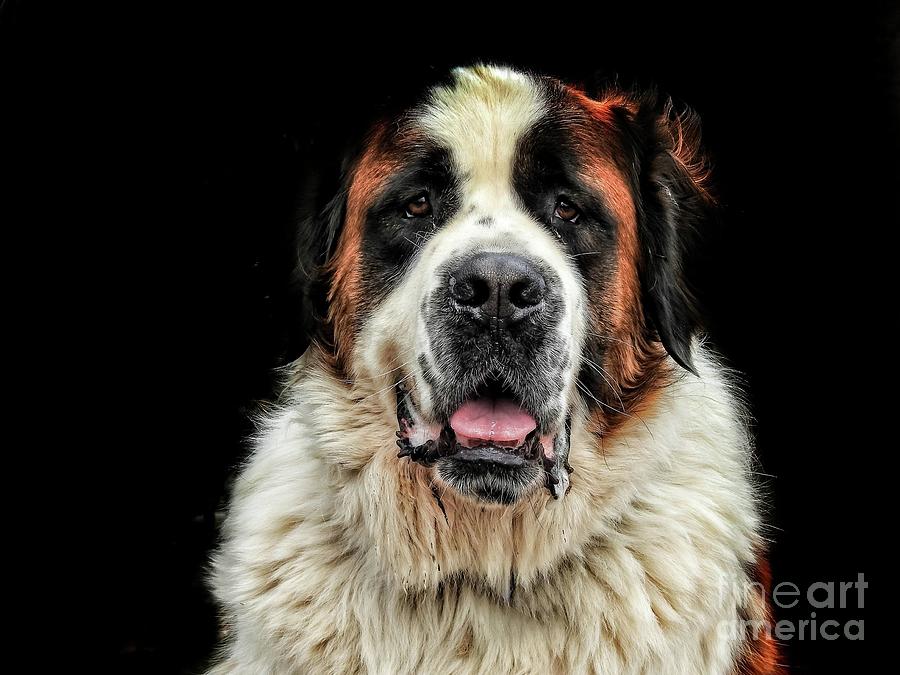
[(339, 557)]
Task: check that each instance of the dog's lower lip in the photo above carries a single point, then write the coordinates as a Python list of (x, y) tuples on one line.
[(447, 445), (492, 454)]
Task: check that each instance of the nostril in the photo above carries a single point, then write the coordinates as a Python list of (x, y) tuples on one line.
[(527, 293), (471, 292), (491, 285)]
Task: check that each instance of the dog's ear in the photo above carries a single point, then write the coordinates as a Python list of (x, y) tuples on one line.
[(674, 203), (321, 207)]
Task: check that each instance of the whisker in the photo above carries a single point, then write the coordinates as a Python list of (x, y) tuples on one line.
[(381, 391), (602, 372), (603, 454), (587, 391), (584, 388), (380, 375), (606, 337)]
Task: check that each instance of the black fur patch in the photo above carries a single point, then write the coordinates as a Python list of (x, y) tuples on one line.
[(391, 239), (673, 209)]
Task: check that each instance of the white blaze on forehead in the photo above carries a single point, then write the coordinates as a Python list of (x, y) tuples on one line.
[(480, 119)]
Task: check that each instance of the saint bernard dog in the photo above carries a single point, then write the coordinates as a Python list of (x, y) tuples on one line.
[(505, 450)]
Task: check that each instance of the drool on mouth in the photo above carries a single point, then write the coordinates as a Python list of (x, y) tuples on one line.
[(484, 429)]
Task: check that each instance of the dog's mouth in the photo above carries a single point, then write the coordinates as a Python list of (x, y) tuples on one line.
[(491, 446)]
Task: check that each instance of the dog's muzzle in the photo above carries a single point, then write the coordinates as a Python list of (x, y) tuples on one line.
[(497, 422)]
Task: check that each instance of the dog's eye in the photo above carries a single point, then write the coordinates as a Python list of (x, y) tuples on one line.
[(418, 207), (566, 211)]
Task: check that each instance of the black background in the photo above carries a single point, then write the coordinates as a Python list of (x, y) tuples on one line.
[(210, 124)]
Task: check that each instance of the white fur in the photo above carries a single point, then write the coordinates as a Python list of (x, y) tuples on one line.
[(334, 552), (336, 556)]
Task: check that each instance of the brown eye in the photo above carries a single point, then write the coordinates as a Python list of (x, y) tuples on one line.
[(418, 207), (566, 211)]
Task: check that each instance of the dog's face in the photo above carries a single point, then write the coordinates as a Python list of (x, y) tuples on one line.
[(506, 257)]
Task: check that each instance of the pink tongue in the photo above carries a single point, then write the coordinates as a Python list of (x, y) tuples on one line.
[(498, 421)]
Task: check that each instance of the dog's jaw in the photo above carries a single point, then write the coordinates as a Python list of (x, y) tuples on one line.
[(427, 443)]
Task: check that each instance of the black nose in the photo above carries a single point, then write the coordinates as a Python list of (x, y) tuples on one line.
[(497, 286)]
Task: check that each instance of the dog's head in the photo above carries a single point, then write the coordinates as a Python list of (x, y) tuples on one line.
[(506, 258)]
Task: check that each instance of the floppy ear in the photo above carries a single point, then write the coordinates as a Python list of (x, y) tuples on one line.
[(673, 204), (320, 215)]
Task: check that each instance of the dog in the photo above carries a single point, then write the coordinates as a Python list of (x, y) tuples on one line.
[(507, 448)]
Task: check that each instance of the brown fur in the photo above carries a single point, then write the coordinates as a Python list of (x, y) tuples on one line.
[(761, 654), (382, 157), (634, 363)]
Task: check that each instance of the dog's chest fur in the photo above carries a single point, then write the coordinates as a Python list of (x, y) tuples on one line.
[(339, 558)]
